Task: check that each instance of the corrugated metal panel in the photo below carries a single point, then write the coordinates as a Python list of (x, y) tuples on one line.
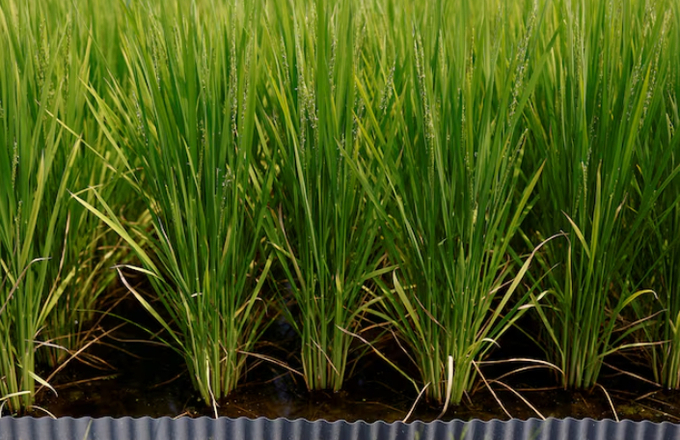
[(27, 428)]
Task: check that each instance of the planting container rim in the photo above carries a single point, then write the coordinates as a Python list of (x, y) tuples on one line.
[(223, 428)]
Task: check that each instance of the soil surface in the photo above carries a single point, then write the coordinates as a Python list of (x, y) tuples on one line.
[(146, 379)]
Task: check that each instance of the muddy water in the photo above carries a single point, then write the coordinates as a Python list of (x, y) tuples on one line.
[(151, 380), (139, 389)]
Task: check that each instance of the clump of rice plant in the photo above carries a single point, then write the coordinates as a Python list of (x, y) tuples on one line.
[(189, 122), (450, 146), (324, 229), (51, 268), (599, 101), (662, 248), (656, 178)]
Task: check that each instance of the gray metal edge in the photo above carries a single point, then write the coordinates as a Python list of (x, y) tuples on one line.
[(204, 428)]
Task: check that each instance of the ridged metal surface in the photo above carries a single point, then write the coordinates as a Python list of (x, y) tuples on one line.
[(204, 428)]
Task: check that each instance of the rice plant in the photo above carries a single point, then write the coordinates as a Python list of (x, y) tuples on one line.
[(657, 178), (324, 229), (600, 98), (394, 160), (189, 121), (50, 258), (451, 155), (663, 248)]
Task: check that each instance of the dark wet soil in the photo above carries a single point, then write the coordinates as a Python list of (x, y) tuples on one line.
[(151, 380)]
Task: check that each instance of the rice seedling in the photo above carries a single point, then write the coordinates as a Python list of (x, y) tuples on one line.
[(599, 100), (324, 232), (189, 121), (451, 156)]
